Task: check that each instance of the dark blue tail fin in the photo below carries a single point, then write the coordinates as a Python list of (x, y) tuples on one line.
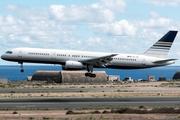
[(161, 48)]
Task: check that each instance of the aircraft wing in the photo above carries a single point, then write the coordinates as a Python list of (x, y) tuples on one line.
[(163, 61), (99, 61)]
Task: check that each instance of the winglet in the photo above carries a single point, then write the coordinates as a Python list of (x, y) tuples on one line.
[(112, 55)]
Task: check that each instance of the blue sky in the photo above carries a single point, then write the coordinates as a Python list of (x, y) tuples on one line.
[(120, 26)]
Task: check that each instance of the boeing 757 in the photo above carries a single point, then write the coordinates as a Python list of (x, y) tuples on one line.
[(78, 60)]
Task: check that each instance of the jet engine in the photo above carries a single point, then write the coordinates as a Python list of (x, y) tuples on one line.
[(73, 65)]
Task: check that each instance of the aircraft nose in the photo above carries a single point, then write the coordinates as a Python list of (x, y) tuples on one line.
[(3, 57)]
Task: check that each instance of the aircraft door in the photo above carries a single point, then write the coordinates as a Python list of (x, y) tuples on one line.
[(54, 55), (144, 62), (20, 53)]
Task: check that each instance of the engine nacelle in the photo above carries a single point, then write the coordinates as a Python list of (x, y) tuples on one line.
[(73, 65)]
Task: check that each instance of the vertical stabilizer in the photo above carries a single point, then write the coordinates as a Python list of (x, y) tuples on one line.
[(161, 48)]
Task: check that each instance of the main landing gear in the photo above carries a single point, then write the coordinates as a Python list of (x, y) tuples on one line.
[(90, 70), (89, 74), (21, 66)]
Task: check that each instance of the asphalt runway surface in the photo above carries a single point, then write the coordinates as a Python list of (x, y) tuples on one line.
[(45, 90), (69, 103)]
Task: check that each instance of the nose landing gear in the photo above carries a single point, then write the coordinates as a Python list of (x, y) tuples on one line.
[(21, 66), (22, 70)]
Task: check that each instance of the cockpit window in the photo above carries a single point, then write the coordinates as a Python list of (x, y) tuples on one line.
[(9, 52)]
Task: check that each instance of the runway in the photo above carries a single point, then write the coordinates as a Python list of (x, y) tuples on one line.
[(44, 90), (69, 103)]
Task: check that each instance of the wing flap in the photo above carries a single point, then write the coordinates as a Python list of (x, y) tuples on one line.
[(99, 61)]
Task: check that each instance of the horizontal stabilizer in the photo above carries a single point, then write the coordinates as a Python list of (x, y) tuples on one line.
[(163, 61)]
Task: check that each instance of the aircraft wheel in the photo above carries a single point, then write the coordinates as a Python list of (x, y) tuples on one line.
[(22, 70), (93, 75), (87, 74), (90, 75)]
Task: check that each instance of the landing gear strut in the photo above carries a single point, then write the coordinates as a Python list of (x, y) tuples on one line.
[(21, 66), (90, 70)]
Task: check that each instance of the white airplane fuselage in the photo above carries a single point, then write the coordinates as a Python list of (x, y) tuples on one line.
[(53, 56), (78, 60)]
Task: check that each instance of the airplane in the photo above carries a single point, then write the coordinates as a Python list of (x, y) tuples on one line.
[(80, 60)]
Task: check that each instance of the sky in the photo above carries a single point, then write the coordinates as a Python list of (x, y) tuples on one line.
[(115, 26)]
